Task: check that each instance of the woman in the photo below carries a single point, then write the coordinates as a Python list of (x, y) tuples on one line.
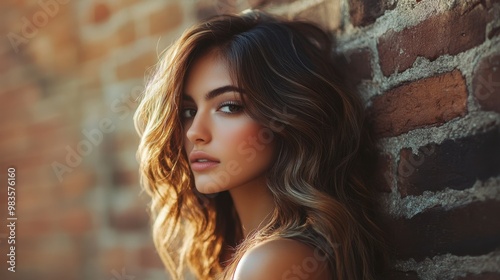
[(250, 150)]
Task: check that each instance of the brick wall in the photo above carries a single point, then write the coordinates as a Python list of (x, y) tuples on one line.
[(428, 72), (69, 73)]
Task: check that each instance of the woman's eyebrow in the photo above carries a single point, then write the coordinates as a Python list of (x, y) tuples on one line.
[(215, 92)]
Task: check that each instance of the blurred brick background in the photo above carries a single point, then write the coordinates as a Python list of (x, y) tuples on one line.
[(428, 72)]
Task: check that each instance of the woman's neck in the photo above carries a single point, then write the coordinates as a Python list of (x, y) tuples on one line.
[(254, 204)]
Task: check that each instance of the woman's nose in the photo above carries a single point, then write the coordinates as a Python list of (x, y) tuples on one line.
[(199, 131)]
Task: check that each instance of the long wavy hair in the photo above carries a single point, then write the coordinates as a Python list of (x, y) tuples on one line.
[(317, 180)]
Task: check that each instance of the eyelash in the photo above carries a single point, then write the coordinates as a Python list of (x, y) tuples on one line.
[(230, 103), (223, 104)]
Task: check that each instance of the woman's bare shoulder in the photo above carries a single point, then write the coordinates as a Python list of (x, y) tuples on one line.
[(282, 258)]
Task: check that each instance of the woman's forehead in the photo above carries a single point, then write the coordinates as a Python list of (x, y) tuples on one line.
[(207, 73)]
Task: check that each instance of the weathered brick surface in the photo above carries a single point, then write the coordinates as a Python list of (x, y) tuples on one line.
[(469, 230), (166, 19), (77, 183), (126, 178), (134, 218), (365, 12), (454, 164), (136, 68), (403, 275), (100, 13), (486, 83), (450, 33), (126, 34), (149, 257), (114, 258), (430, 101), (494, 32), (482, 276), (355, 65), (42, 113), (95, 50)]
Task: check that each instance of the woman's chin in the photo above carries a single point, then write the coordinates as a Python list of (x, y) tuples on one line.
[(208, 189)]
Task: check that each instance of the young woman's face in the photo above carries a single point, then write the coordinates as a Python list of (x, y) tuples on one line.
[(226, 148)]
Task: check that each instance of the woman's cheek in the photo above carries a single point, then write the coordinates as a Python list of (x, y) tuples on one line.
[(252, 144)]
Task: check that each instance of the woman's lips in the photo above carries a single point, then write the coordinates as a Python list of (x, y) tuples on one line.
[(202, 166)]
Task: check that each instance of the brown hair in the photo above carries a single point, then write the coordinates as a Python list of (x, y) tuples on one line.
[(289, 77)]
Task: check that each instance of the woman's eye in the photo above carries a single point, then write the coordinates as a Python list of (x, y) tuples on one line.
[(188, 113), (230, 108)]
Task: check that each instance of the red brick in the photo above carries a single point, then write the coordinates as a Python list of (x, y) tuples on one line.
[(166, 19), (114, 258), (11, 132), (95, 49), (37, 225), (486, 83), (8, 62), (37, 200), (77, 183), (124, 140), (23, 96), (355, 66), (451, 32), (427, 102), (134, 218), (66, 61), (61, 263), (126, 33), (136, 68), (62, 29), (101, 12), (454, 164), (365, 12), (46, 135), (40, 265), (148, 257), (75, 220), (473, 230), (90, 78), (126, 178), (54, 49)]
